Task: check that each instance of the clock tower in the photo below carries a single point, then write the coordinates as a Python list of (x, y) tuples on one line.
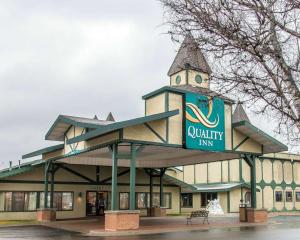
[(189, 66)]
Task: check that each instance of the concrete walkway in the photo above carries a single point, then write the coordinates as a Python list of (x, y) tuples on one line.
[(95, 226)]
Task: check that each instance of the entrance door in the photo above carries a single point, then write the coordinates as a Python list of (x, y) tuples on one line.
[(96, 203)]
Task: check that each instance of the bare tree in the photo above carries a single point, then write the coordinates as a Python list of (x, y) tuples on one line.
[(255, 48)]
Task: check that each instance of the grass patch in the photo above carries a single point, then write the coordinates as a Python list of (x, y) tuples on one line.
[(16, 222)]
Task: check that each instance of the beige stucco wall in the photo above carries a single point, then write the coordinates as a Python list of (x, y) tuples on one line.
[(155, 104), (175, 122), (248, 146)]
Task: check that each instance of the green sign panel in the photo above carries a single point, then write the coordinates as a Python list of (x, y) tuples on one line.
[(204, 123)]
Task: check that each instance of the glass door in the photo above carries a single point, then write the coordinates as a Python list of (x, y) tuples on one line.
[(91, 203)]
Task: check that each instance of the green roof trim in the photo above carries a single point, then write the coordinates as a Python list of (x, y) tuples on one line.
[(118, 125), (43, 150), (65, 119), (257, 130), (25, 167), (179, 182), (181, 91)]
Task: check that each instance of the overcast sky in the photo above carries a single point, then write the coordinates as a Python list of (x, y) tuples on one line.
[(76, 57)]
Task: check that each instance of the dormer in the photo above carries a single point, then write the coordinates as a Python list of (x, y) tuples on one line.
[(189, 66)]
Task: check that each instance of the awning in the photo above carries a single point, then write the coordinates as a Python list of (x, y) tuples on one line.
[(220, 187), (270, 144)]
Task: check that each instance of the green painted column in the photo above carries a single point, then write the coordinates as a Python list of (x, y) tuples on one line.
[(114, 175), (161, 189), (46, 185), (52, 186), (132, 176), (151, 187), (253, 182)]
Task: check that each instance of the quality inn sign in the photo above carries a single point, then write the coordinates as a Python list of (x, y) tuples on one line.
[(204, 123)]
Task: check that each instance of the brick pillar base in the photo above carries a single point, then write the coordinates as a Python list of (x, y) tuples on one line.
[(122, 220), (257, 215), (46, 215)]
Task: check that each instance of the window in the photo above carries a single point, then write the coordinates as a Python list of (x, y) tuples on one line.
[(141, 200), (297, 195), (198, 79), (278, 196), (156, 200), (178, 79), (288, 196), (62, 201), (17, 201), (206, 197), (187, 200), (124, 201)]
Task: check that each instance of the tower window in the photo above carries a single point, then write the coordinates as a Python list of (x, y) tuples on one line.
[(178, 79), (198, 79)]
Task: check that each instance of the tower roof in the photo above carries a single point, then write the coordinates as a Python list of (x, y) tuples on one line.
[(189, 53), (110, 117), (240, 114)]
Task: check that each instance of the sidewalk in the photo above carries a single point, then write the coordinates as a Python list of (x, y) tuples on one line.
[(154, 225)]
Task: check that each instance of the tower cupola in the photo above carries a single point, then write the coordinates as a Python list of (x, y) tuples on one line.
[(189, 66)]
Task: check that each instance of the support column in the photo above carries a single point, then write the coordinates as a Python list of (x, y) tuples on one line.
[(47, 214), (253, 214), (151, 188), (161, 188), (114, 175), (132, 176), (115, 219), (253, 182), (46, 185), (52, 186)]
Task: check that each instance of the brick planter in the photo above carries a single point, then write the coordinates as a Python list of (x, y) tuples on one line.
[(46, 215), (122, 220), (257, 215)]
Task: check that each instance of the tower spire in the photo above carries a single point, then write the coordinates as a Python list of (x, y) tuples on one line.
[(189, 66), (240, 113), (189, 55)]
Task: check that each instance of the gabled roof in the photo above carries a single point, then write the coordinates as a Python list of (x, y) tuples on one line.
[(270, 144), (189, 54), (63, 122), (119, 125), (240, 114), (187, 89)]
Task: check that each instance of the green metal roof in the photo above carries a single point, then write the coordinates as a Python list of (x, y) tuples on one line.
[(187, 89), (270, 144), (25, 167), (119, 125), (220, 187), (185, 186), (43, 150)]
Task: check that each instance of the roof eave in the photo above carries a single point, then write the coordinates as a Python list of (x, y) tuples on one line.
[(119, 125), (43, 151), (247, 124)]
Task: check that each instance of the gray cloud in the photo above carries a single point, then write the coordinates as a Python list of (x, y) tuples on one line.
[(78, 58)]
